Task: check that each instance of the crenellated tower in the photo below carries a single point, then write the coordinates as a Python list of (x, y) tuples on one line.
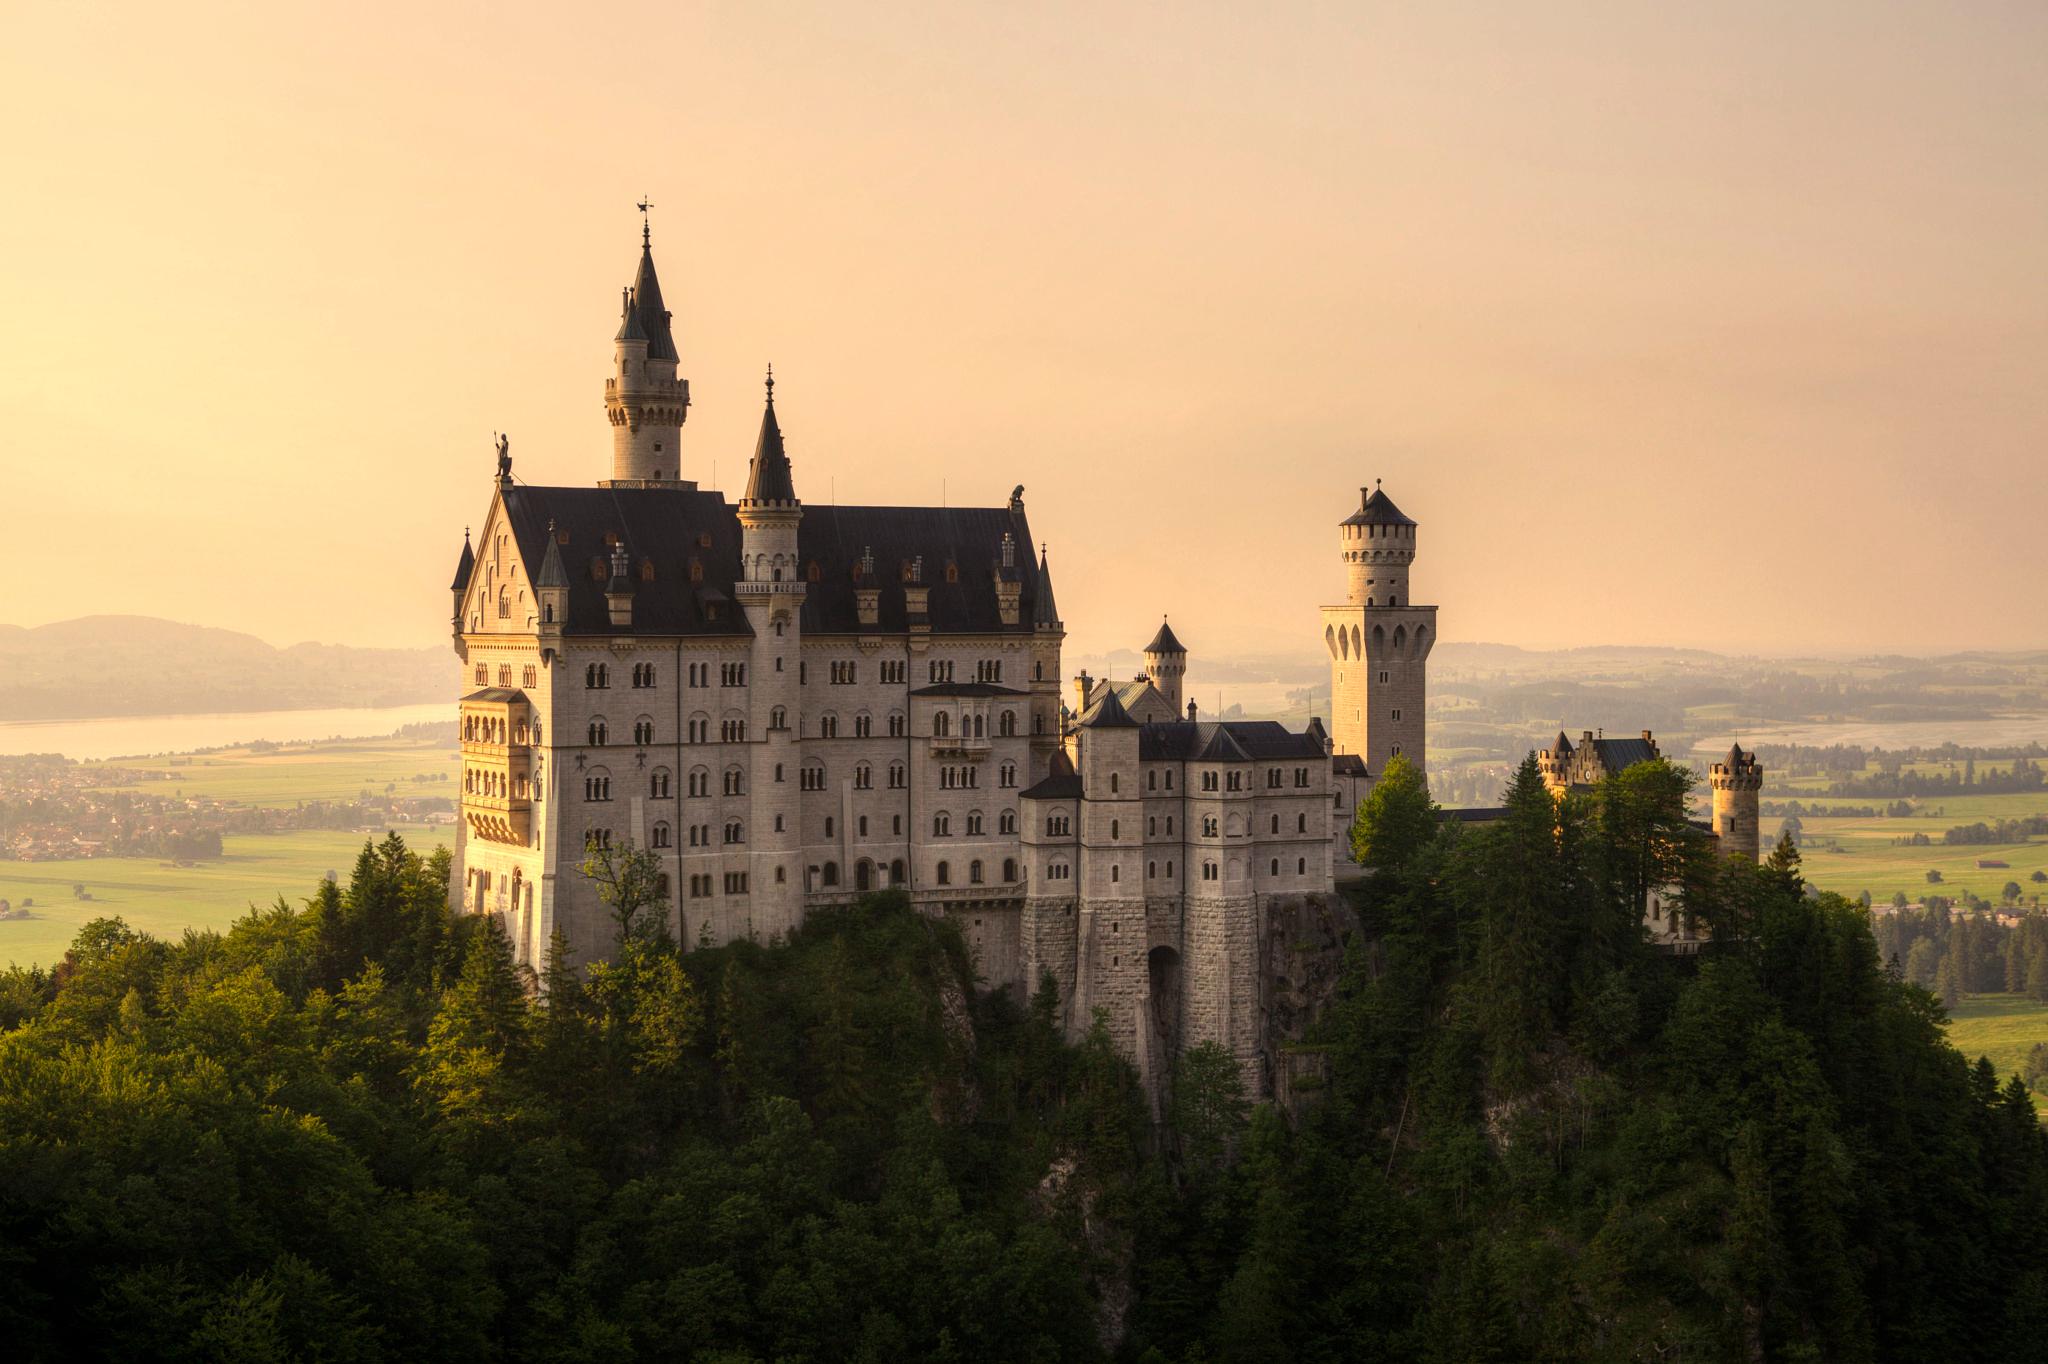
[(770, 589), (644, 400), (1736, 781), (1166, 663), (1379, 640)]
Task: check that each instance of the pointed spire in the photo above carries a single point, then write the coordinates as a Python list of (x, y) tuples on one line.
[(629, 319), (552, 574), (1045, 613), (769, 479), (465, 564), (645, 306), (1108, 713)]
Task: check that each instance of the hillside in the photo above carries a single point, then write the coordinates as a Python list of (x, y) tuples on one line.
[(139, 665)]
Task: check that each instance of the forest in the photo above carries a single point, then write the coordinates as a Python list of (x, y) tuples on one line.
[(351, 1129)]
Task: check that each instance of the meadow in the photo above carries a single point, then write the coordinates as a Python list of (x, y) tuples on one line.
[(164, 899), (2002, 1027), (160, 897), (330, 769)]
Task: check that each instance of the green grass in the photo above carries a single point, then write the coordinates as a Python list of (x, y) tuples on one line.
[(2002, 1027), (338, 769), (1867, 859), (162, 899)]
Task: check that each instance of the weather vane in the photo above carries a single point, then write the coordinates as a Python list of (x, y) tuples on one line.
[(646, 235)]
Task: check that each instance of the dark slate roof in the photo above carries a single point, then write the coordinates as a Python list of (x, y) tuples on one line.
[(1482, 815), (1222, 748), (768, 477), (653, 315), (967, 689), (629, 319), (463, 565), (1164, 642), (1347, 764), (1060, 782), (669, 526), (1563, 748), (1044, 612), (1108, 713), (496, 694), (1253, 740), (1620, 754), (1376, 509)]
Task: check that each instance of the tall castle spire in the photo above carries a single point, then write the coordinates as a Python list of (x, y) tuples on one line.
[(768, 478), (644, 400)]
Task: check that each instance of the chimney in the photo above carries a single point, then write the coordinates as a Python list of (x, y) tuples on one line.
[(1191, 710)]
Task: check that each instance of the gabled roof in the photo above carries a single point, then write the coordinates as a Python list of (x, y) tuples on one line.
[(629, 319), (1347, 764), (1164, 642), (1618, 755), (1376, 509), (1108, 713), (1251, 740), (464, 565), (1563, 748), (768, 477), (1222, 748), (671, 527)]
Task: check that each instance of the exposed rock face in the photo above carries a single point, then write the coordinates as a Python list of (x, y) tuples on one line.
[(1065, 1193), (1301, 957)]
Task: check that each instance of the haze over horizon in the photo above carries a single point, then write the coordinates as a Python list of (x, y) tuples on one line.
[(1701, 326)]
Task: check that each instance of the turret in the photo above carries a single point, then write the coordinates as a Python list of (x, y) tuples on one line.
[(1166, 663), (551, 593), (771, 589), (1378, 546), (464, 566), (644, 400), (1555, 763), (1736, 780)]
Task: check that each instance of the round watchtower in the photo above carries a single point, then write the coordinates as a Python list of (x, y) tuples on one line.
[(1379, 545), (1166, 663), (1736, 780)]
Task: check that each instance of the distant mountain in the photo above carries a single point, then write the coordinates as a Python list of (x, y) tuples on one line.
[(138, 665)]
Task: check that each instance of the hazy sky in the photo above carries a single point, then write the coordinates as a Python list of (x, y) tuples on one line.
[(1721, 324)]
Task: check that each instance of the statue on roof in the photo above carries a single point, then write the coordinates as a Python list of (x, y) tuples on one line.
[(504, 455)]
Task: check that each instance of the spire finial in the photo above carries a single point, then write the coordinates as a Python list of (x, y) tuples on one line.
[(646, 230), (771, 385)]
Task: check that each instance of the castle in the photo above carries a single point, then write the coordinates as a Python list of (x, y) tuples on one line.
[(792, 704)]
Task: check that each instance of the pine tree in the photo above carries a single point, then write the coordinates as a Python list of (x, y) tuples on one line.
[(1396, 819)]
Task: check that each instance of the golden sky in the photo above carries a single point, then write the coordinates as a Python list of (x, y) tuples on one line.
[(1720, 324)]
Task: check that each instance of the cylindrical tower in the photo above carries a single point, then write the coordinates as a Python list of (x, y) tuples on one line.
[(1736, 780), (1166, 663), (644, 400), (1378, 546)]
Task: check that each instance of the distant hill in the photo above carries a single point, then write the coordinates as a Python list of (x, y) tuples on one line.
[(138, 665)]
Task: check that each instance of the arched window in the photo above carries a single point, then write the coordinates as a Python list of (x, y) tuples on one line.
[(974, 872), (1115, 831), (658, 784), (661, 839), (643, 732), (1006, 822), (1113, 870), (896, 872), (942, 824), (941, 722), (831, 876), (945, 873), (597, 733), (778, 718), (1009, 869), (973, 822), (1112, 783), (1007, 728)]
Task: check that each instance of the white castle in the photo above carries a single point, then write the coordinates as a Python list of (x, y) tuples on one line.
[(791, 705)]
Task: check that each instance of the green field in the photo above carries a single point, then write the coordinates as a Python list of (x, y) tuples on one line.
[(1867, 860), (2002, 1027), (162, 899), (332, 769)]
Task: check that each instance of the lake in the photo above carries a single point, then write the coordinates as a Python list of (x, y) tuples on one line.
[(125, 736)]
